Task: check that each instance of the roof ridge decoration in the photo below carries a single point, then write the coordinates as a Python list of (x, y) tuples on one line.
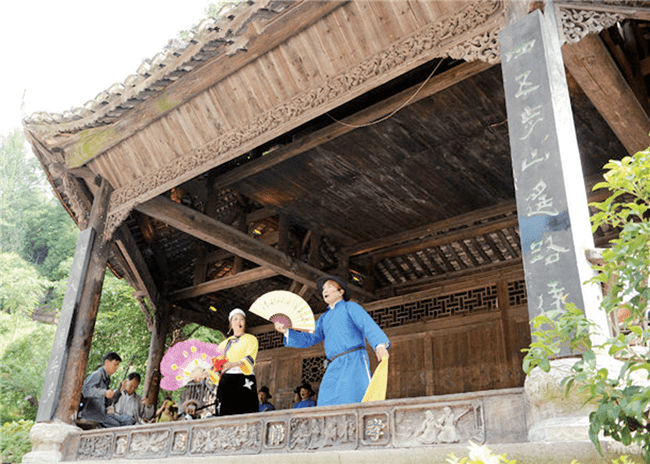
[(178, 57), (429, 42)]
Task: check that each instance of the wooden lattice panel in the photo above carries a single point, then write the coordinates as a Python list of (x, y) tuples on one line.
[(469, 301), (517, 293), (313, 369)]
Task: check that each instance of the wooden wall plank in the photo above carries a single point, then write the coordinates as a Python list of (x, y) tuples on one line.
[(450, 356)]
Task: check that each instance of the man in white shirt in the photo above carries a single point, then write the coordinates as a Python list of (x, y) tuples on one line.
[(130, 403)]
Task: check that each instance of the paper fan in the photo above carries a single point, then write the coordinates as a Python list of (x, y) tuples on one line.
[(285, 307), (183, 358)]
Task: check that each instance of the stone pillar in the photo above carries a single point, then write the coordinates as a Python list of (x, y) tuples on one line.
[(552, 206), (549, 185), (47, 441)]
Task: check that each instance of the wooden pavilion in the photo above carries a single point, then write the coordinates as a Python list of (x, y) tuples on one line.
[(292, 139)]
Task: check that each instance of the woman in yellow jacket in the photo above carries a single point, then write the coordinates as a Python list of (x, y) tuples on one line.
[(237, 390)]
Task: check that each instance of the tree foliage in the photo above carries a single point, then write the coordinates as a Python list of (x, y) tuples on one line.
[(21, 285), (14, 440), (120, 327), (21, 190), (621, 394), (22, 368)]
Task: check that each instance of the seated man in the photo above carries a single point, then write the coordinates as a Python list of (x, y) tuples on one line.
[(96, 393), (305, 391), (128, 402), (264, 395)]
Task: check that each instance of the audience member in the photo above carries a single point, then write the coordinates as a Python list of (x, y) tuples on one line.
[(127, 402), (168, 412), (189, 409), (264, 396), (96, 394), (305, 393)]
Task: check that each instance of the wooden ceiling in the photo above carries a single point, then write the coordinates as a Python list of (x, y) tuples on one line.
[(399, 183)]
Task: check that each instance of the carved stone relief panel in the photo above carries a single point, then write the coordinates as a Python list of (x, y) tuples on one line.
[(121, 442), (180, 441), (323, 432), (149, 444), (275, 435), (238, 438), (376, 429), (439, 425), (95, 447)]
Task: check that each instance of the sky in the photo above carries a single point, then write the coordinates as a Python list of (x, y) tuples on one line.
[(57, 55)]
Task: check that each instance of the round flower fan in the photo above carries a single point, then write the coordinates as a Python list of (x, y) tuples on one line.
[(185, 358), (285, 307)]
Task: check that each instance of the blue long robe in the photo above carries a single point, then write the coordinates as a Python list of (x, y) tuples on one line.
[(343, 327)]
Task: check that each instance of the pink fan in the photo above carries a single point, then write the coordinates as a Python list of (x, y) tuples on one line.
[(184, 358)]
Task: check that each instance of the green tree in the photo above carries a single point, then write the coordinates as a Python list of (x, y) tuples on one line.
[(120, 327), (21, 285), (50, 237), (22, 368), (621, 395), (21, 190)]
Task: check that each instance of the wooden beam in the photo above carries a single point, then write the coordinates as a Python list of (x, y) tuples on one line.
[(134, 259), (284, 153), (219, 234), (461, 223), (241, 278), (591, 65)]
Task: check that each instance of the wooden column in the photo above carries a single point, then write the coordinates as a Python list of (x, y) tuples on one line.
[(82, 324), (162, 322)]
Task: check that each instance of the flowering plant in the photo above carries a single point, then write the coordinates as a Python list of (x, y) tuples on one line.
[(479, 455)]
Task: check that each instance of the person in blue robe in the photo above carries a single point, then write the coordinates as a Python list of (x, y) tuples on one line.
[(264, 395), (305, 394), (344, 327)]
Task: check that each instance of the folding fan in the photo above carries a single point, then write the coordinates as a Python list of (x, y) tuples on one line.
[(285, 307), (183, 359)]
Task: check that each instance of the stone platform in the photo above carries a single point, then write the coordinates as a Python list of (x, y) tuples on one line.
[(414, 430)]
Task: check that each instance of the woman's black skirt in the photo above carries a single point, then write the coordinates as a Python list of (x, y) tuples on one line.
[(237, 394)]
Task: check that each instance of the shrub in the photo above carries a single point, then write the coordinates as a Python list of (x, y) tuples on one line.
[(14, 441)]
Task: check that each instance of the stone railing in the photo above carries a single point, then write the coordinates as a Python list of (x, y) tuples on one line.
[(483, 417)]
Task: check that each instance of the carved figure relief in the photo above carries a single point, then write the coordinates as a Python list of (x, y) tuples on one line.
[(442, 428), (153, 443), (323, 432), (439, 425), (209, 440), (95, 447)]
